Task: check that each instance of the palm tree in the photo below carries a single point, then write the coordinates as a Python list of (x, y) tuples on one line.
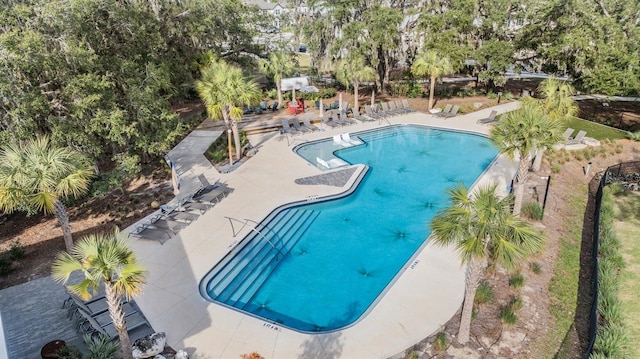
[(224, 90), (104, 260), (280, 64), (482, 230), (353, 71), (558, 103), (433, 64), (522, 132), (557, 99), (37, 175)]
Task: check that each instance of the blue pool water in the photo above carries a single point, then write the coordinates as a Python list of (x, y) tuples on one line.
[(320, 266)]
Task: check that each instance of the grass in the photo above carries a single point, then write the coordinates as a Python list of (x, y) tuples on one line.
[(595, 130), (628, 230), (563, 288), (516, 281), (484, 293)]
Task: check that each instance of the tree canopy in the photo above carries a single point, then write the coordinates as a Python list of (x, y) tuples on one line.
[(101, 75)]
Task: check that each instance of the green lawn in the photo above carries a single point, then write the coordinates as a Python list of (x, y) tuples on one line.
[(627, 225), (595, 130), (563, 288)]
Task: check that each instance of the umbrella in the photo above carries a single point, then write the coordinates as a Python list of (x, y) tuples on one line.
[(321, 109), (340, 101)]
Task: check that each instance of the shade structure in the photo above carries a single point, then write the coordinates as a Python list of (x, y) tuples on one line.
[(321, 109)]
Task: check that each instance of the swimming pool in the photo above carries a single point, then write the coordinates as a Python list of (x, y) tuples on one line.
[(319, 266)]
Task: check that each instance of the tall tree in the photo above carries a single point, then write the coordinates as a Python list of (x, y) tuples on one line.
[(36, 175), (482, 230), (104, 260), (224, 90), (433, 64), (596, 43), (280, 64), (353, 71), (520, 133)]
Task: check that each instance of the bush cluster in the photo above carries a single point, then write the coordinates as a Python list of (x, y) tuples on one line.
[(611, 338), (14, 254)]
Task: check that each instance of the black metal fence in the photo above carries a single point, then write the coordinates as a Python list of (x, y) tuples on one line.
[(628, 175)]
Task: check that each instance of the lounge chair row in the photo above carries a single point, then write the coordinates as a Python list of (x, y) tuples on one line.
[(171, 219), (92, 317), (297, 125)]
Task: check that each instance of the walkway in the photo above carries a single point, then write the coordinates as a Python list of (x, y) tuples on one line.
[(426, 295)]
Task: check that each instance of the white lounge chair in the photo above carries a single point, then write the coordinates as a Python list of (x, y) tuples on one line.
[(578, 139), (332, 163), (338, 140), (353, 141)]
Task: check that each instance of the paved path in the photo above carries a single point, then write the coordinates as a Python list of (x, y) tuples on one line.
[(32, 316)]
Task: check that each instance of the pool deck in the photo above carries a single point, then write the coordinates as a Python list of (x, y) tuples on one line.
[(425, 296)]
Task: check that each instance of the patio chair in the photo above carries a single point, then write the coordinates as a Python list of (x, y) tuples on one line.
[(345, 118), (405, 104), (327, 120), (147, 232), (358, 116), (286, 127), (386, 110), (372, 114), (567, 134), (492, 118), (181, 216), (275, 106), (263, 106), (353, 141), (307, 123), (453, 113), (298, 127), (332, 163), (201, 207), (209, 193), (337, 139), (445, 111), (335, 105), (92, 327), (400, 108), (393, 109), (578, 139), (167, 224)]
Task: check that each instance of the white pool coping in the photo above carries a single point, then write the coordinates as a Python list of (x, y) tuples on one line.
[(425, 296)]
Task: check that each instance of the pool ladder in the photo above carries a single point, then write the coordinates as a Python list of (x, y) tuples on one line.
[(253, 228)]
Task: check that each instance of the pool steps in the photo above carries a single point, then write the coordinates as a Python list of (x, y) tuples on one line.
[(242, 275)]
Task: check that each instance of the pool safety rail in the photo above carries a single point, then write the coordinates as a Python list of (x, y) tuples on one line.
[(254, 228)]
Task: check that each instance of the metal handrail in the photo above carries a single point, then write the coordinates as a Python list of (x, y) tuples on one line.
[(245, 223)]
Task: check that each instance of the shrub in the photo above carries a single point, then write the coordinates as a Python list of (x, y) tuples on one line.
[(535, 267), (69, 352), (440, 342), (516, 303), (507, 95), (491, 95), (328, 92), (555, 168), (272, 94), (484, 293), (611, 341), (508, 316), (100, 347), (516, 281), (5, 265), (635, 136), (532, 210), (16, 252)]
